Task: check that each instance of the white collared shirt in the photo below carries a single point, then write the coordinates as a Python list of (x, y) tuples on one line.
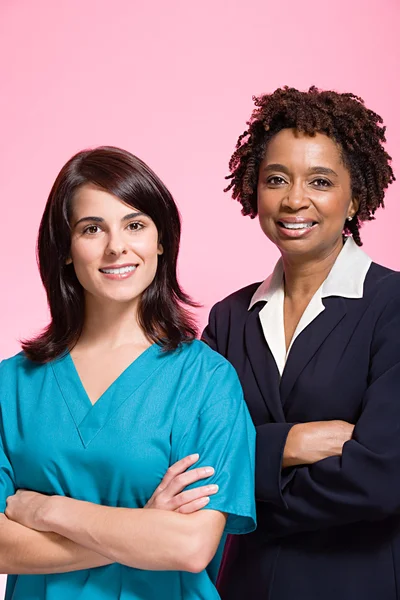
[(345, 279)]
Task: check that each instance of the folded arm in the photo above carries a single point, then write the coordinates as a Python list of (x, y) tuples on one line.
[(24, 551), (140, 538), (364, 482)]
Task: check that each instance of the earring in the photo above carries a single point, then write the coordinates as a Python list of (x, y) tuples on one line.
[(349, 218)]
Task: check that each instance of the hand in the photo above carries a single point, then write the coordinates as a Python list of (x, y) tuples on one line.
[(308, 443), (27, 508), (170, 495)]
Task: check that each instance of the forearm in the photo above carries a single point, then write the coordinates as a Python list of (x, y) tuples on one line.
[(362, 485), (25, 551), (140, 538), (284, 445)]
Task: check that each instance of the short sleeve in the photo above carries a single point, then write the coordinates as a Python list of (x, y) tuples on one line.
[(224, 437), (7, 487)]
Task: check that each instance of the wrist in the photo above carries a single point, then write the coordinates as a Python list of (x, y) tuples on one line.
[(292, 451), (49, 514)]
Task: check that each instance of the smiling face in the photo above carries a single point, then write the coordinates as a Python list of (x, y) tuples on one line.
[(304, 194), (114, 248)]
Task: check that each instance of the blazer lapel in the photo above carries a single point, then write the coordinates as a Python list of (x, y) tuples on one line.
[(308, 342), (263, 364)]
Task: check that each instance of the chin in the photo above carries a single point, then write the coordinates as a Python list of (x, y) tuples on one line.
[(125, 298), (297, 247), (117, 298)]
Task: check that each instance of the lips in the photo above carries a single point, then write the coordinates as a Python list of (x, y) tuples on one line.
[(295, 227), (296, 222), (118, 270)]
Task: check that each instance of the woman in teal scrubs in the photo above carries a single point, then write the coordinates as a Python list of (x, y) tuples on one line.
[(107, 399)]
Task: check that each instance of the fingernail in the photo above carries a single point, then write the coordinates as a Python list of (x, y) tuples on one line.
[(195, 456), (205, 501), (213, 487), (209, 470)]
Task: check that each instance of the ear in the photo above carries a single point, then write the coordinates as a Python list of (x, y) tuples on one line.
[(68, 261), (160, 249), (353, 208)]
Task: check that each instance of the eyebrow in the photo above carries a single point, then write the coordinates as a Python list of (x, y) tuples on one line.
[(276, 167), (322, 171), (133, 215), (313, 170)]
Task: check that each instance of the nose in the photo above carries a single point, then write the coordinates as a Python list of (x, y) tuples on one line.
[(116, 245), (296, 197)]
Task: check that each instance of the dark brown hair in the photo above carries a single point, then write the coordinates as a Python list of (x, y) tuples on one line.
[(162, 312), (343, 117)]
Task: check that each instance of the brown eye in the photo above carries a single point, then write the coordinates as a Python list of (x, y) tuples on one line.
[(276, 180), (322, 182), (135, 226), (92, 229)]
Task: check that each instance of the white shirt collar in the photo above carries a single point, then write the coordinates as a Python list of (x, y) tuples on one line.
[(345, 279)]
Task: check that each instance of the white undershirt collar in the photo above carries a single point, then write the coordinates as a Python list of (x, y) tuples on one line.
[(346, 279)]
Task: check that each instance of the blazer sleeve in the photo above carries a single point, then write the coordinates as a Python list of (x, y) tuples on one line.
[(270, 479), (209, 335), (364, 483)]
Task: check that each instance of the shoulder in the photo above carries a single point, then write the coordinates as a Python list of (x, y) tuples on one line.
[(18, 366), (234, 308), (197, 355), (382, 284), (14, 363), (240, 299), (205, 371), (227, 316), (382, 303), (378, 274)]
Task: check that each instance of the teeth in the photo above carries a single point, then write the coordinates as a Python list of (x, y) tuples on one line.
[(118, 271), (296, 225)]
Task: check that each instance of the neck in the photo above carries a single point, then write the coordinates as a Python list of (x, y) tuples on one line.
[(110, 325), (304, 275)]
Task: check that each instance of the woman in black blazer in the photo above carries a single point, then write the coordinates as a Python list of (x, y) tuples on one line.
[(317, 349)]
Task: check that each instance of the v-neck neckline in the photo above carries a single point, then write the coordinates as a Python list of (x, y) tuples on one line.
[(90, 418), (112, 384)]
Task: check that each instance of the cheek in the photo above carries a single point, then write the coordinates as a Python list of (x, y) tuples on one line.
[(145, 247), (268, 202), (84, 254), (267, 205), (334, 208)]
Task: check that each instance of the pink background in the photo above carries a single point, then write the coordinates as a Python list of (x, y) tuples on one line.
[(172, 82)]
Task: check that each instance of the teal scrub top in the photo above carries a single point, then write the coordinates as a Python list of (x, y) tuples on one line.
[(164, 406)]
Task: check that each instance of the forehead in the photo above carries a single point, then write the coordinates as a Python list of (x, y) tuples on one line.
[(94, 201), (292, 146)]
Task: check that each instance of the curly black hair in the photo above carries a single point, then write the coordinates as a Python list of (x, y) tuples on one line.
[(343, 117)]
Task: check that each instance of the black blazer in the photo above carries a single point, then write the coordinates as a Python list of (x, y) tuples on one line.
[(331, 530)]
